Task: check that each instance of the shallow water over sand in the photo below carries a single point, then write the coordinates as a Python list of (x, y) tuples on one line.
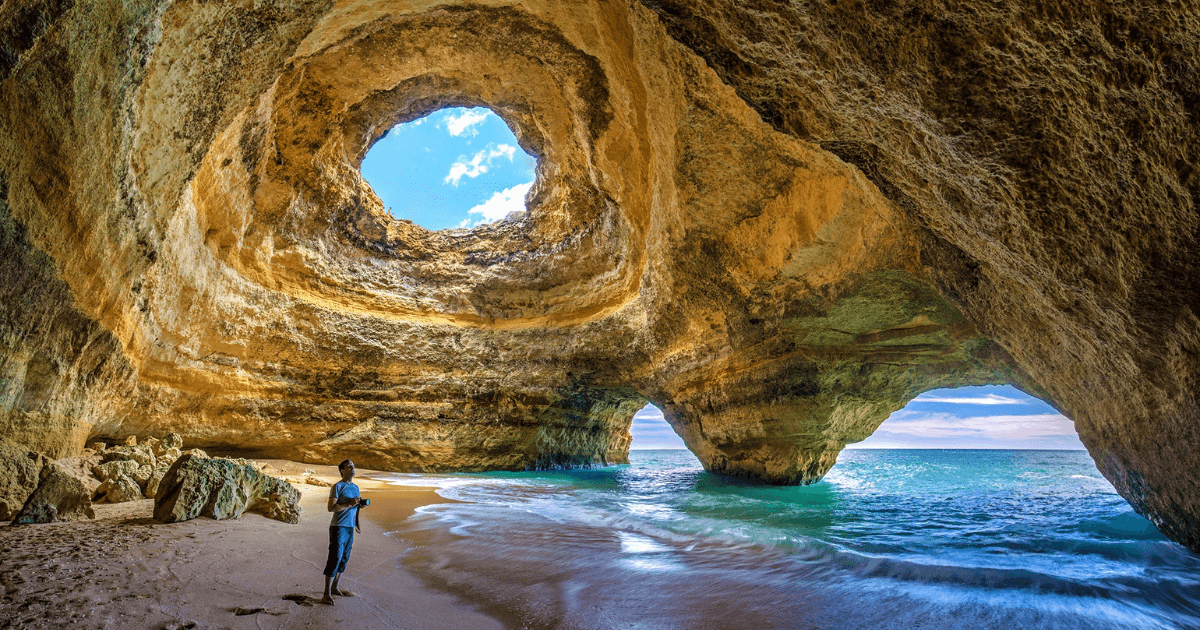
[(890, 539)]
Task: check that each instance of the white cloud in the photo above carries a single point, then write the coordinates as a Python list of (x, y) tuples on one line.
[(465, 122), (941, 425), (649, 413), (479, 163), (914, 429), (500, 205), (504, 150), (650, 431), (471, 169), (988, 399), (398, 129)]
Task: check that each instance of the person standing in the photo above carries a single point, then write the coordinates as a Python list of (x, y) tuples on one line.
[(344, 501)]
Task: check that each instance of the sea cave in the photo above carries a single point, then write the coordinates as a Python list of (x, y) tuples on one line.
[(776, 222)]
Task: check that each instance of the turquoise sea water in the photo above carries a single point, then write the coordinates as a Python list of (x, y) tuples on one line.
[(889, 539)]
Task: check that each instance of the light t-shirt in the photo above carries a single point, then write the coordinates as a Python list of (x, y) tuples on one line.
[(343, 490)]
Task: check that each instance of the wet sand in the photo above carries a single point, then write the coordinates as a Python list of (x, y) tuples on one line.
[(125, 570)]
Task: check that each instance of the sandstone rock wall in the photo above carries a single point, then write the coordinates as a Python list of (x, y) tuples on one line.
[(19, 474), (61, 372), (779, 222), (1045, 154)]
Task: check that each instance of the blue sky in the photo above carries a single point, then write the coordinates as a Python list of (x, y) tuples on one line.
[(457, 167), (994, 416), (650, 431), (998, 416)]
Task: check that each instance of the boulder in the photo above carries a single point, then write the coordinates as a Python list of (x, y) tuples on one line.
[(97, 446), (168, 457), (154, 444), (131, 440), (120, 489), (58, 497), (222, 489), (19, 471), (308, 480), (172, 440), (108, 470), (140, 454), (142, 475), (82, 468), (155, 480)]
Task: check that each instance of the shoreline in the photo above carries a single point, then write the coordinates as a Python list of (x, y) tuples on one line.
[(125, 570), (417, 539)]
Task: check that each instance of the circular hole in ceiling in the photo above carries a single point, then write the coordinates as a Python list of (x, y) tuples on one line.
[(455, 168)]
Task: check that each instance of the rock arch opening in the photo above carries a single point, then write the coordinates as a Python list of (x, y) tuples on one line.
[(458, 167), (990, 417), (650, 431), (781, 285)]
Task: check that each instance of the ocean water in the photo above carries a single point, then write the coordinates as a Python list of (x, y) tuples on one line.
[(889, 539)]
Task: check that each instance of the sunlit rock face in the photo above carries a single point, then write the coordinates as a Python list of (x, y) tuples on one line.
[(777, 223)]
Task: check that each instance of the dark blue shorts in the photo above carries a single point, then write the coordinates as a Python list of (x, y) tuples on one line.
[(340, 541)]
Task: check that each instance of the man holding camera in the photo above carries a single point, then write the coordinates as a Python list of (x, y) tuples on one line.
[(344, 501)]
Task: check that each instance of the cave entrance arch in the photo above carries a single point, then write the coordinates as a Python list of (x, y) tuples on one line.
[(998, 417), (994, 450), (650, 431)]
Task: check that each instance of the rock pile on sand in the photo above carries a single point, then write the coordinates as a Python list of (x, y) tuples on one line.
[(133, 471), (36, 489)]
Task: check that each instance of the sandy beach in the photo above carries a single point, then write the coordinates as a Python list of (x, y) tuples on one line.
[(125, 570)]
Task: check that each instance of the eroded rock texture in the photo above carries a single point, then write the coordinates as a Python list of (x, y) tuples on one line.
[(221, 489), (777, 221), (19, 475), (57, 497)]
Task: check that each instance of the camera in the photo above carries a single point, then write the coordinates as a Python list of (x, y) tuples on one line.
[(364, 502)]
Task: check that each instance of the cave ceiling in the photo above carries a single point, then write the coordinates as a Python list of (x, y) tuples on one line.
[(778, 223)]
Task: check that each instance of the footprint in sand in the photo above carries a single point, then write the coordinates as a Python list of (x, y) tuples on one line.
[(303, 600), (241, 611)]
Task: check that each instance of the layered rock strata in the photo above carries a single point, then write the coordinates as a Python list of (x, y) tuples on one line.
[(778, 223)]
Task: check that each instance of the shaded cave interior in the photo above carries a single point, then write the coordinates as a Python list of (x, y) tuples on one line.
[(279, 208), (214, 263)]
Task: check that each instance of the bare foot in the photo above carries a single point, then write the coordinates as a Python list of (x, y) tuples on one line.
[(326, 600), (342, 593)]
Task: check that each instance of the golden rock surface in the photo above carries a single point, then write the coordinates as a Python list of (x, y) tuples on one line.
[(777, 223)]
